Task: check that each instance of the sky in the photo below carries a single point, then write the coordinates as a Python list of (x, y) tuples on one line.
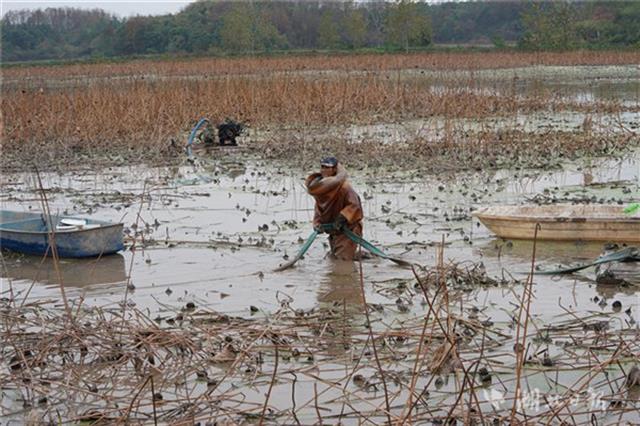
[(121, 8)]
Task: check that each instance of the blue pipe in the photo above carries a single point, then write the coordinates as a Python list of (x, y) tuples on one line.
[(193, 135)]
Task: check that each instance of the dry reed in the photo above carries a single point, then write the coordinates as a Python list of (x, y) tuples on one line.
[(193, 364), (113, 113), (364, 62)]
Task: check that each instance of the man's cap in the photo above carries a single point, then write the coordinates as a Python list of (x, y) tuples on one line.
[(329, 162)]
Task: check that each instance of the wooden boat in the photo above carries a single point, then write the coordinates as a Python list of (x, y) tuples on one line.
[(29, 233), (562, 222)]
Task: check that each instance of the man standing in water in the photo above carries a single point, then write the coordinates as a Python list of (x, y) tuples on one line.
[(337, 203)]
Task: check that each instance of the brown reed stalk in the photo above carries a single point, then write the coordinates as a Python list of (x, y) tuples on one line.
[(132, 249), (373, 341), (52, 243), (273, 380), (293, 397), (520, 347), (414, 377), (410, 403), (35, 279), (600, 367)]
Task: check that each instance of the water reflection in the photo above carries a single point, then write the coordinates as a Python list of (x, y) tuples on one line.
[(624, 276), (341, 284), (340, 304), (75, 272), (521, 251)]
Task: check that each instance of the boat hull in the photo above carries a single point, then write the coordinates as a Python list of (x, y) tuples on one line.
[(562, 223), (27, 233)]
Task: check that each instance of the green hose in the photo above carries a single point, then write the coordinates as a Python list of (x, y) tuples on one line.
[(626, 254), (632, 208), (328, 227)]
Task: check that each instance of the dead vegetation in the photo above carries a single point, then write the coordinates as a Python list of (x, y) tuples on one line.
[(463, 151), (116, 113), (189, 364), (365, 62)]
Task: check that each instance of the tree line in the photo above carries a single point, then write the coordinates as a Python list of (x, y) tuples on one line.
[(212, 27)]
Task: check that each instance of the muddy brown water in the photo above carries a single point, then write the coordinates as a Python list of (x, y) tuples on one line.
[(215, 231), (220, 228)]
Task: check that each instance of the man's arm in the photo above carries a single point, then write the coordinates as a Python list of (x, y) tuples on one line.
[(352, 212), (316, 219)]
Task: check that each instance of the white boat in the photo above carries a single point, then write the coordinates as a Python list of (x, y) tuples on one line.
[(562, 222)]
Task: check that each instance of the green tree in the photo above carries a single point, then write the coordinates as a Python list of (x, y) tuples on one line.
[(266, 34), (246, 27), (212, 26), (564, 36), (354, 25), (328, 35), (498, 42), (236, 31), (627, 21), (406, 25), (196, 28), (549, 26)]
